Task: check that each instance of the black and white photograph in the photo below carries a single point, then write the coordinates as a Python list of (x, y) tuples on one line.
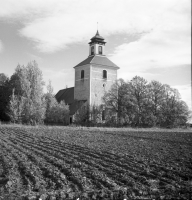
[(95, 100)]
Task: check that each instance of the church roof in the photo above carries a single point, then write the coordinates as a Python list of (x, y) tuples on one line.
[(98, 60), (97, 39), (97, 36), (66, 95)]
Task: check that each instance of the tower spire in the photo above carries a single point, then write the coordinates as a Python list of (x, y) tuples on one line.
[(97, 44), (97, 33)]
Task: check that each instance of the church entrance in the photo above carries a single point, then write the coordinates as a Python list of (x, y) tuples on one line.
[(71, 120)]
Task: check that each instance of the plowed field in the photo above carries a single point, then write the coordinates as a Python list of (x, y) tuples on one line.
[(73, 163)]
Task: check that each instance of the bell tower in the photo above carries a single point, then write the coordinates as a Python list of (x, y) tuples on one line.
[(97, 45), (94, 75)]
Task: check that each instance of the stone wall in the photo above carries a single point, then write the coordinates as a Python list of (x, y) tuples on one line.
[(93, 86), (82, 86), (98, 84)]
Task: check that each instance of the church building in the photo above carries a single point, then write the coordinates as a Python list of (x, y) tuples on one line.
[(93, 76)]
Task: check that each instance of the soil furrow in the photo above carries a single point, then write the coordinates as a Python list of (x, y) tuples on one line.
[(99, 164), (71, 162), (121, 176)]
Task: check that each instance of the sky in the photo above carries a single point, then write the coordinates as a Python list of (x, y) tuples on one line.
[(148, 38)]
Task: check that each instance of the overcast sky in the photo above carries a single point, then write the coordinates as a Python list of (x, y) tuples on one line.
[(149, 38)]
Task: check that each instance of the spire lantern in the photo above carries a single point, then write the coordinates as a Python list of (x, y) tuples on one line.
[(97, 45), (97, 38)]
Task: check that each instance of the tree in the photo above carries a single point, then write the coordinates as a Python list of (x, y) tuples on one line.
[(82, 115), (182, 113), (173, 110), (3, 79), (49, 100), (128, 100), (15, 108), (56, 112), (114, 100), (139, 103), (96, 115), (28, 84), (4, 97), (139, 94), (155, 98)]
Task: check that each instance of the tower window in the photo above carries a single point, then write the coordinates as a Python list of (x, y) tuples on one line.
[(82, 74), (92, 50), (100, 50), (104, 74)]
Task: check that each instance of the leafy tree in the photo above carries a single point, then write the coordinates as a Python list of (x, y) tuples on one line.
[(139, 98), (58, 114), (4, 97), (49, 100), (82, 116), (28, 84), (114, 100), (18, 80), (155, 93), (3, 79), (182, 113), (173, 110), (97, 115), (128, 100), (15, 108), (139, 103)]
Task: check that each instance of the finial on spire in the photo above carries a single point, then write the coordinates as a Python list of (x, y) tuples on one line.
[(97, 33), (97, 36)]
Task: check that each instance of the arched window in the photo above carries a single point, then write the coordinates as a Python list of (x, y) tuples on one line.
[(104, 74), (92, 50), (82, 74), (100, 50)]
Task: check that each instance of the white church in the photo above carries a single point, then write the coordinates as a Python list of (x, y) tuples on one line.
[(93, 76)]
